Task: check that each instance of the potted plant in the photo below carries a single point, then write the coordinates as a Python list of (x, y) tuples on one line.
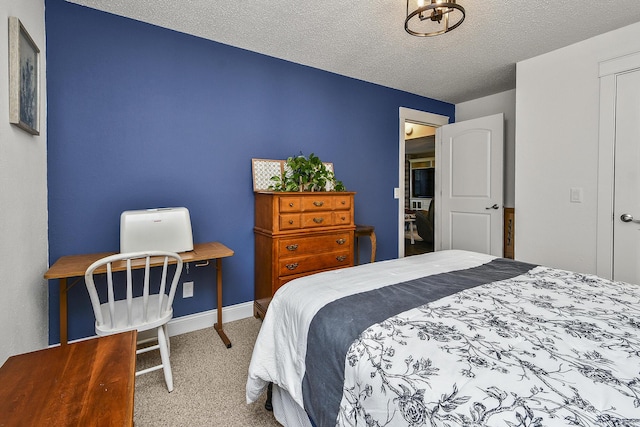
[(303, 173)]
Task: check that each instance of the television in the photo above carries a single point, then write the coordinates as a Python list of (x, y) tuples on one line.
[(422, 182)]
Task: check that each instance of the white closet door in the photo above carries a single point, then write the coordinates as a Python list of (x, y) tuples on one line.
[(626, 214)]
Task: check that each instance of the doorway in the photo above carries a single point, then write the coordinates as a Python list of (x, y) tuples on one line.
[(418, 122), (419, 178)]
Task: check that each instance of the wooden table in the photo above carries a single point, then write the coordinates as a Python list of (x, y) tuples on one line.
[(74, 266), (365, 230), (88, 383)]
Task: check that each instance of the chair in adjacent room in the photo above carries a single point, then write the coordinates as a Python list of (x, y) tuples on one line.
[(424, 223), (120, 311)]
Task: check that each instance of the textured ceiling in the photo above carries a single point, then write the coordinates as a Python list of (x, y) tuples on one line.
[(366, 39)]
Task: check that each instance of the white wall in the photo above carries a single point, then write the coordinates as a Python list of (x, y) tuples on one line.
[(503, 102), (557, 112), (23, 204)]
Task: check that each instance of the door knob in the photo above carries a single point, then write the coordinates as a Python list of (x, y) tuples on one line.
[(627, 218), (495, 206)]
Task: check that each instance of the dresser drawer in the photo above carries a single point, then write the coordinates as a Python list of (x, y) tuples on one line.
[(341, 202), (290, 221), (314, 262), (290, 204), (300, 245), (342, 218), (321, 202), (317, 219)]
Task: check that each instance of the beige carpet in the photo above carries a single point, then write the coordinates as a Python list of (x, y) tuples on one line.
[(209, 382)]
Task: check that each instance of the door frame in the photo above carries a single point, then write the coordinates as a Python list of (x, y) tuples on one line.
[(608, 72), (423, 118)]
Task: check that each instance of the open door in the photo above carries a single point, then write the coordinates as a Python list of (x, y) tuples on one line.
[(469, 209)]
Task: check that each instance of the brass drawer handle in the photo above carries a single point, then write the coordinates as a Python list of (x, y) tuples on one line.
[(290, 204), (341, 241), (318, 203), (290, 221), (341, 258), (292, 266), (318, 220), (292, 247)]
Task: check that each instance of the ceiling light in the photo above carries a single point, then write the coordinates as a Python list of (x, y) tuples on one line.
[(408, 129), (437, 17)]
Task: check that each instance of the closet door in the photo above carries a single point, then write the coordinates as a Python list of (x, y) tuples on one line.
[(626, 213)]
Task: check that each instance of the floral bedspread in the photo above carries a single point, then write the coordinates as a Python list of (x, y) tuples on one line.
[(545, 348)]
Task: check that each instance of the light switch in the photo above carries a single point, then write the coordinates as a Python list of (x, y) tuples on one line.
[(576, 195), (396, 193)]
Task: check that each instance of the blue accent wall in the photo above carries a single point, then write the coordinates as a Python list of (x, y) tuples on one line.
[(140, 117)]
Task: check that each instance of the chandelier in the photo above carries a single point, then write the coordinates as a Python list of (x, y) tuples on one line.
[(426, 18)]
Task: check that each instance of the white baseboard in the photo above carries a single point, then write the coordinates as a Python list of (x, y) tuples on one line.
[(197, 321), (206, 319)]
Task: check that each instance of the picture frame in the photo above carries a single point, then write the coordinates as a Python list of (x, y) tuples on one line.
[(24, 78), (262, 171)]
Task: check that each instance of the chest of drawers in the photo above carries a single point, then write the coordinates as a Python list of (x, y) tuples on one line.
[(297, 234)]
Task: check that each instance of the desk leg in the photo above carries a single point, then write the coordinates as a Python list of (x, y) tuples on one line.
[(373, 246), (63, 311), (218, 326)]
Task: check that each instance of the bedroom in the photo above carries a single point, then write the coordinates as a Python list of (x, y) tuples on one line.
[(540, 227)]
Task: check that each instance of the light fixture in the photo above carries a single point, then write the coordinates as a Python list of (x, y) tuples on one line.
[(436, 17), (408, 129)]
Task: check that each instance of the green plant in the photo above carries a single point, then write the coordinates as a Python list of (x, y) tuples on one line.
[(303, 173)]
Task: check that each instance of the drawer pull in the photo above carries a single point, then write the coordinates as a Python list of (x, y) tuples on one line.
[(341, 257), (290, 204), (344, 218), (292, 266), (318, 203), (290, 221), (292, 247), (341, 241), (343, 202), (318, 220)]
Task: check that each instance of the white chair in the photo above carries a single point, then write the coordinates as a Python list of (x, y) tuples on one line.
[(152, 309)]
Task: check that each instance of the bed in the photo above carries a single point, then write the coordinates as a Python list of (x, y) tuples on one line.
[(451, 338)]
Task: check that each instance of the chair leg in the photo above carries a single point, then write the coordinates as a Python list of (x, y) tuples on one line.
[(164, 355), (166, 334)]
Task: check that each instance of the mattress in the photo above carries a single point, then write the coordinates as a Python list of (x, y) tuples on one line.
[(454, 338)]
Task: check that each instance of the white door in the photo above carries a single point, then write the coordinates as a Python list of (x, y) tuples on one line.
[(626, 212), (470, 178)]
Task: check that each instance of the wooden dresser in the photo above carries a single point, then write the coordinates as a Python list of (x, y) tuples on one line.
[(297, 234)]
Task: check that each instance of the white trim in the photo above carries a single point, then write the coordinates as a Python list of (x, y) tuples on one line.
[(202, 320), (415, 116), (206, 319), (619, 65), (608, 73)]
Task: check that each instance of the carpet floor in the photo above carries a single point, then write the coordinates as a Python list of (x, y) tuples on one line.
[(209, 382)]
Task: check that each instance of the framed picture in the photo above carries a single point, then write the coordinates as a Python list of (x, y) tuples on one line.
[(24, 78)]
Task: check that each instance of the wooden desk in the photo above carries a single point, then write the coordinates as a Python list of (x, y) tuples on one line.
[(71, 266), (88, 383)]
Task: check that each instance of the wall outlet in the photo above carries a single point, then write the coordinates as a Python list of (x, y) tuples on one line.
[(187, 289)]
